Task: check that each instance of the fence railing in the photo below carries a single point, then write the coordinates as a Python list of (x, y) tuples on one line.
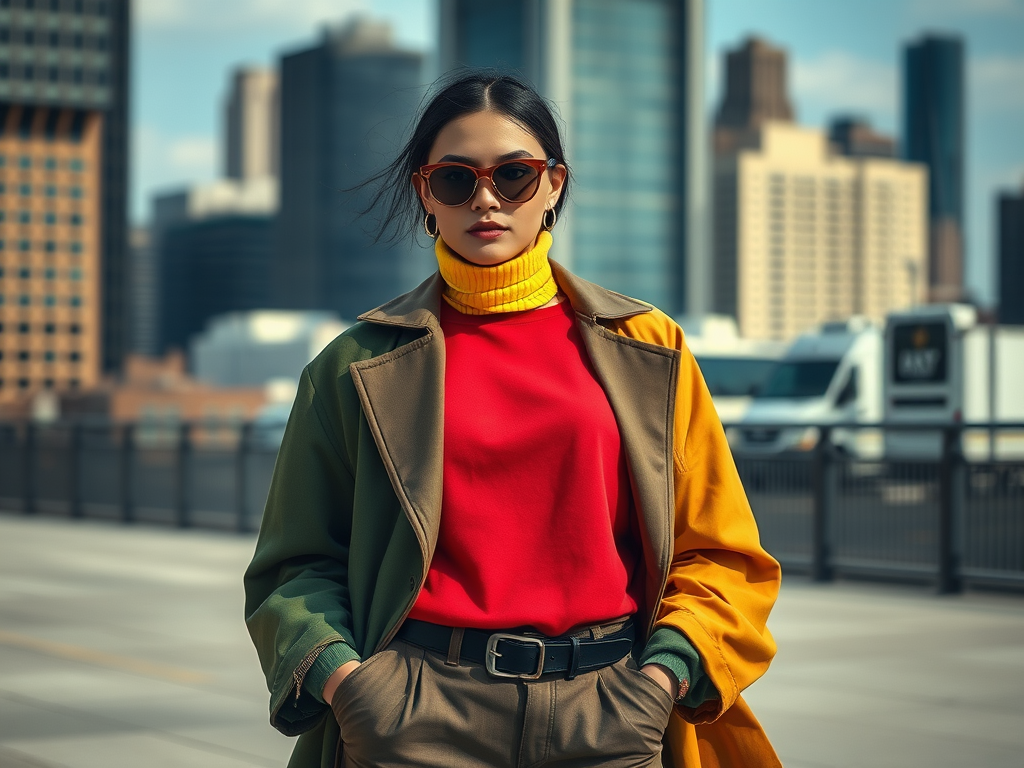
[(945, 505), (942, 503)]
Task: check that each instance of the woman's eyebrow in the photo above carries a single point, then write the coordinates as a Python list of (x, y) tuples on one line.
[(513, 155)]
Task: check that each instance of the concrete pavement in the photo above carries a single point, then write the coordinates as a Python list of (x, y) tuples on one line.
[(124, 646)]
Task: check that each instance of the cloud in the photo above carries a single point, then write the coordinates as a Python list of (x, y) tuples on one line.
[(838, 81), (161, 161), (996, 83), (192, 154), (204, 15)]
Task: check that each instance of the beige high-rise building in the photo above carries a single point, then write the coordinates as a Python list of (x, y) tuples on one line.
[(252, 125), (50, 198), (804, 235)]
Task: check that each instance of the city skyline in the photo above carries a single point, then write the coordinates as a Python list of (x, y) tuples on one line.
[(854, 69)]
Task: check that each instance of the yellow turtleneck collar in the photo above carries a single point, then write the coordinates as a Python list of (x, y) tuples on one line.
[(524, 282)]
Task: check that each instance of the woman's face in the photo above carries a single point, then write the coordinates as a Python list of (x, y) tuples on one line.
[(488, 230)]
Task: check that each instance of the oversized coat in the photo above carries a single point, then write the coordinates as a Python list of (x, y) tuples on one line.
[(352, 517)]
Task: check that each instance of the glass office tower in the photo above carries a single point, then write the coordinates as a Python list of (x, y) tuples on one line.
[(933, 134), (627, 78)]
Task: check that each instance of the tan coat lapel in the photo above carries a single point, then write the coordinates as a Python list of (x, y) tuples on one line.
[(640, 381), (402, 396)]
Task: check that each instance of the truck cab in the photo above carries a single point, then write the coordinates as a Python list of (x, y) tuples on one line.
[(829, 377)]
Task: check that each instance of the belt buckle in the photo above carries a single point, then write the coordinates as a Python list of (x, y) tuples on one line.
[(490, 659)]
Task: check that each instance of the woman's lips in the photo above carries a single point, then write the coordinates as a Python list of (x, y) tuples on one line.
[(488, 232)]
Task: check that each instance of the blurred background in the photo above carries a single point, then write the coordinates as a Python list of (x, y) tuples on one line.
[(829, 197)]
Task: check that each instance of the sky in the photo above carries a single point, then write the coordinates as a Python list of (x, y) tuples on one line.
[(843, 58)]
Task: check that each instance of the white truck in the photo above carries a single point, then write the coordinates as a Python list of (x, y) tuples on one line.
[(734, 368), (942, 366), (833, 376)]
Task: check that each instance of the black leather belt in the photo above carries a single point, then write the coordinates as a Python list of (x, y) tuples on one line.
[(508, 654)]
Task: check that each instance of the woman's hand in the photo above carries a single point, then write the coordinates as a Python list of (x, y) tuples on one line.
[(661, 675), (335, 679)]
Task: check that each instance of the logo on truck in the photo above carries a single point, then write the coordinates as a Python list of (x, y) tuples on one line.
[(919, 352)]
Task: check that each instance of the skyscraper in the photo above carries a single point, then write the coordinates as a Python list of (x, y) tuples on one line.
[(755, 91), (346, 106), (854, 137), (627, 79), (1011, 258), (933, 134), (251, 125), (804, 235), (63, 117)]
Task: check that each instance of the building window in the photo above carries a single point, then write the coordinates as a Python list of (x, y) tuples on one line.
[(75, 219), (54, 40), (25, 217), (3, 188), (50, 328), (50, 273), (24, 273), (24, 356), (75, 301), (1, 271), (76, 164), (48, 383), (75, 192), (25, 162), (74, 357), (25, 190), (24, 300), (74, 329), (28, 72), (77, 76), (51, 246), (74, 383), (5, 34), (75, 274), (3, 161), (50, 163), (51, 190), (24, 246), (23, 383), (76, 247), (24, 328), (5, 70), (50, 300), (53, 74), (51, 218)]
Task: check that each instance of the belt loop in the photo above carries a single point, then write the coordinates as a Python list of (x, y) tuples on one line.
[(455, 647), (574, 660)]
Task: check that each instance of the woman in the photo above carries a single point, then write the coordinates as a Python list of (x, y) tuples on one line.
[(504, 527)]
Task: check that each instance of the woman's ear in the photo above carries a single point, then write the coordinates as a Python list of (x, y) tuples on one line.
[(420, 185), (558, 176)]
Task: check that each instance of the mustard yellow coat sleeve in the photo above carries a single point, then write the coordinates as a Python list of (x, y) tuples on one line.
[(721, 584)]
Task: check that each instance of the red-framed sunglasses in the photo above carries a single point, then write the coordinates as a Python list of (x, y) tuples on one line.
[(515, 181)]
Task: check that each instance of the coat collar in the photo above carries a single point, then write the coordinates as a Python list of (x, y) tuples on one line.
[(420, 307)]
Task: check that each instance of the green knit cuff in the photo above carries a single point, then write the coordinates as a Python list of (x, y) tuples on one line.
[(671, 648), (326, 664)]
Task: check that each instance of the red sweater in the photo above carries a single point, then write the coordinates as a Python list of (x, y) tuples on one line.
[(535, 517)]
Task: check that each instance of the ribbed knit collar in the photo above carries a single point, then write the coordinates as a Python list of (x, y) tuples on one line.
[(524, 282)]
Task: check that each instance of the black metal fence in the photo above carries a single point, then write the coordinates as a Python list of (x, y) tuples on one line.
[(206, 475), (952, 516)]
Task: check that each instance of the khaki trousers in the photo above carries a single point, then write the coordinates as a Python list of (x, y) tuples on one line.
[(407, 706)]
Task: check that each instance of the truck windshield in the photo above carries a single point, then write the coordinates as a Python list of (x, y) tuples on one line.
[(735, 376), (799, 378)]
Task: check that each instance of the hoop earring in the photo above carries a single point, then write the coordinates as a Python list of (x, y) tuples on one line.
[(544, 219), (426, 225)]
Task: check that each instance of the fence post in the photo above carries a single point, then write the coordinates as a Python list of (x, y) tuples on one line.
[(821, 555), (242, 476), (184, 448), (949, 512), (127, 465), (75, 470), (29, 503)]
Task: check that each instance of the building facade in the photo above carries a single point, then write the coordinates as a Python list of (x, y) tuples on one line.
[(251, 125), (804, 236), (347, 104), (1011, 258), (933, 134), (627, 79), (50, 237), (755, 92), (74, 55)]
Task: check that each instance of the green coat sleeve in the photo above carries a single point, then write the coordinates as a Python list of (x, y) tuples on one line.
[(296, 587)]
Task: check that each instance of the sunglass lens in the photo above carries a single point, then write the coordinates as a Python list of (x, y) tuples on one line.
[(516, 182), (452, 185)]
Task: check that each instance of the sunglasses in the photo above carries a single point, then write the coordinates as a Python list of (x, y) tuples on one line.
[(515, 181)]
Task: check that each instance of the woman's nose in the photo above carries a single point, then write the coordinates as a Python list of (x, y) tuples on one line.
[(485, 198)]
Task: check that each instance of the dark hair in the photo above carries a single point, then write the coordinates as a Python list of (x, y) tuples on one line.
[(462, 92)]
